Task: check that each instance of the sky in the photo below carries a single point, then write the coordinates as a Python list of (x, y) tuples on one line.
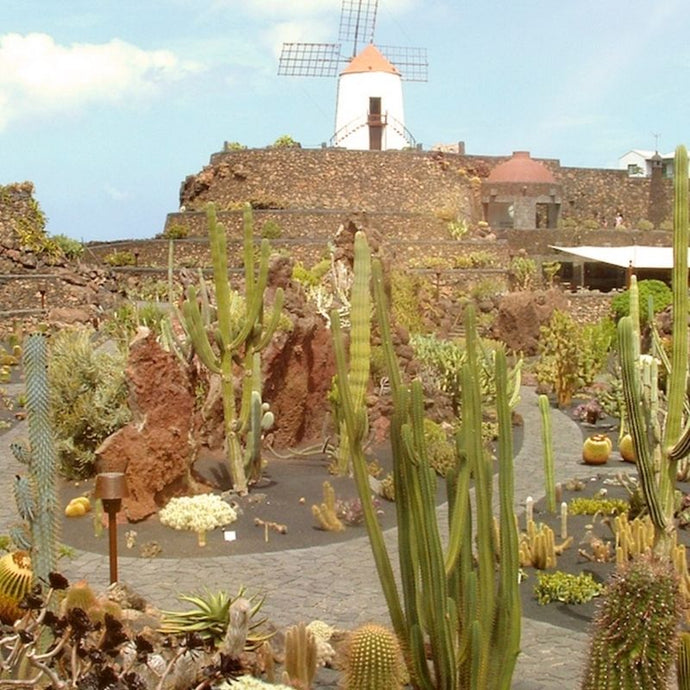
[(107, 105)]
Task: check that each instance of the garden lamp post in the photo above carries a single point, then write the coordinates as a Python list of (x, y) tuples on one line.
[(111, 488)]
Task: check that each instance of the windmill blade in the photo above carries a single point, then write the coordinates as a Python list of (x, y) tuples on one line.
[(411, 62), (309, 60), (357, 23)]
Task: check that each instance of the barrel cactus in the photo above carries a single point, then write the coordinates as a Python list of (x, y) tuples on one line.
[(374, 660), (623, 653)]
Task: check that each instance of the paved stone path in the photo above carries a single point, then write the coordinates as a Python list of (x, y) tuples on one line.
[(338, 583)]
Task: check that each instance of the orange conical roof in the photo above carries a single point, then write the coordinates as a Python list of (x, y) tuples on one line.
[(521, 168), (370, 60)]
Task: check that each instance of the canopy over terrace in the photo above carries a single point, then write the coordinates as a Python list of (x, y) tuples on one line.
[(631, 255), (607, 268)]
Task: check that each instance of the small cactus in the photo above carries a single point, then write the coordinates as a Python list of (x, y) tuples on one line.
[(635, 629), (16, 578), (300, 657), (374, 660), (683, 661)]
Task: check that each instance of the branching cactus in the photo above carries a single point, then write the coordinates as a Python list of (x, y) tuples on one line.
[(300, 657), (658, 448), (242, 331), (36, 494), (459, 609)]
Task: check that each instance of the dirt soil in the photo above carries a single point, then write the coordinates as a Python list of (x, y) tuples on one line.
[(285, 496)]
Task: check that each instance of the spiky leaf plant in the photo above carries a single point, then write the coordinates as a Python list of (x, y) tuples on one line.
[(88, 398), (210, 616)]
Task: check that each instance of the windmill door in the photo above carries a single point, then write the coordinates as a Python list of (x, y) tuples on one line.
[(376, 123)]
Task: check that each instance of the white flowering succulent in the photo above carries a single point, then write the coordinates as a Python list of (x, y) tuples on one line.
[(197, 513)]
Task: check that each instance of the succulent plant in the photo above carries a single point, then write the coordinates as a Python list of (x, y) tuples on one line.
[(374, 660), (16, 578), (625, 654)]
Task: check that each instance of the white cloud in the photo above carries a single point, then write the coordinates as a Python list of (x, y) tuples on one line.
[(114, 193), (38, 76)]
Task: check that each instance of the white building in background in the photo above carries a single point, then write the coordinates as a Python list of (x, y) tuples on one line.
[(369, 111), (639, 163)]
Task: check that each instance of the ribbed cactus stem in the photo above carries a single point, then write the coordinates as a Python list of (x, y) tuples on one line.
[(547, 445), (43, 463), (640, 424), (374, 660), (677, 380), (300, 656), (360, 346)]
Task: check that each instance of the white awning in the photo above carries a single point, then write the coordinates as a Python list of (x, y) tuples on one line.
[(632, 255)]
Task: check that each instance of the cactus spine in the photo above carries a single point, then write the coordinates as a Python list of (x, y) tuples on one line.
[(242, 332), (547, 441), (36, 495), (454, 606), (624, 653), (374, 660)]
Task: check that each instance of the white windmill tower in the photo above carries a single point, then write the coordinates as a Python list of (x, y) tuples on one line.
[(369, 105)]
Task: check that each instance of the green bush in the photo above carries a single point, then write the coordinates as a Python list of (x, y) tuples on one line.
[(571, 355), (286, 142), (657, 290), (591, 224), (72, 249), (645, 225), (666, 225), (271, 230), (405, 304), (88, 398), (523, 271), (566, 588), (176, 231), (233, 146), (122, 257)]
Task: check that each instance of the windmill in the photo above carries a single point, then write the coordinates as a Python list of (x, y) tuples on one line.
[(369, 105)]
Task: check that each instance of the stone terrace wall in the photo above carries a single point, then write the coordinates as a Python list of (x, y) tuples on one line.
[(382, 181), (591, 194)]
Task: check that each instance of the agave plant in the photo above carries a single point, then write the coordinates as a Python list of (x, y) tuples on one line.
[(210, 617)]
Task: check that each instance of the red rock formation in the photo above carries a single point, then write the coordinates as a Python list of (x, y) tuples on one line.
[(156, 449)]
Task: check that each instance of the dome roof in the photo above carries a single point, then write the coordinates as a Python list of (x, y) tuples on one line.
[(370, 60), (521, 168)]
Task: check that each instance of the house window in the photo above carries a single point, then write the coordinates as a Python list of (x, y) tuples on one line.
[(634, 170)]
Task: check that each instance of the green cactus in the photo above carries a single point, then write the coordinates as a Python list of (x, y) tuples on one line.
[(300, 657), (326, 512), (241, 332), (36, 494), (683, 661), (547, 441), (625, 654), (658, 449), (360, 353), (374, 660), (461, 611)]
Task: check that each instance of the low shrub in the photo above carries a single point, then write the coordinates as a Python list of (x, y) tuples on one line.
[(657, 290)]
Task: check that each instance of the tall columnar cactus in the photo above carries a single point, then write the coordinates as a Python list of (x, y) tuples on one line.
[(36, 494), (658, 448), (374, 660), (461, 611), (547, 442), (360, 351), (635, 629), (242, 330), (300, 656)]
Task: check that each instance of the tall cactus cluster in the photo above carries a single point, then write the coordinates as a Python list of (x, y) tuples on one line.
[(658, 448), (36, 493), (634, 639), (232, 350), (459, 608)]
